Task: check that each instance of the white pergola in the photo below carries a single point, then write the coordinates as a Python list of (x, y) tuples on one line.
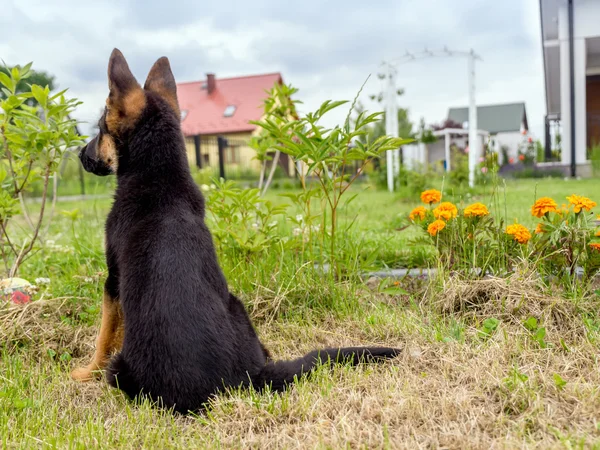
[(393, 159), (447, 134)]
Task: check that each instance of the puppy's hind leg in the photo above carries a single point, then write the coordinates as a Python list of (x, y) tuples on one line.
[(119, 375)]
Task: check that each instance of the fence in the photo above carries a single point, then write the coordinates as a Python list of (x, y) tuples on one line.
[(232, 158)]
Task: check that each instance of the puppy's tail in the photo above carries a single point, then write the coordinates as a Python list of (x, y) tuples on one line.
[(279, 374)]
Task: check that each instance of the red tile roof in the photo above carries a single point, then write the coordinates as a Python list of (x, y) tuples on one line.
[(205, 111)]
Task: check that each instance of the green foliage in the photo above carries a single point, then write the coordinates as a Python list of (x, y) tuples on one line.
[(33, 139), (531, 172), (567, 239), (595, 159), (325, 155), (244, 224), (280, 108), (488, 327), (538, 333), (540, 152), (459, 175), (559, 382), (23, 85), (411, 182)]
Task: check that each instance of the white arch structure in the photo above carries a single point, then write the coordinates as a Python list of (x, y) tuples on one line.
[(391, 110)]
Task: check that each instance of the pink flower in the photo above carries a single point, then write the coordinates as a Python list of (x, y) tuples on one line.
[(511, 160), (466, 149), (530, 140), (482, 159), (484, 169)]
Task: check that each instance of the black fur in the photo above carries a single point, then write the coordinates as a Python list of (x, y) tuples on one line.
[(186, 335)]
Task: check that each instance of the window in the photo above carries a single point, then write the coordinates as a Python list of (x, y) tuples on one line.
[(229, 111)]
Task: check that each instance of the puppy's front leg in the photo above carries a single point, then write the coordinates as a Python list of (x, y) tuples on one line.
[(109, 340)]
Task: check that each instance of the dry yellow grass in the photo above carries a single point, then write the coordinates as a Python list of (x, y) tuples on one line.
[(448, 389)]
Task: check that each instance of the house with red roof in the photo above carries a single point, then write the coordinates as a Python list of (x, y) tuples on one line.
[(224, 107)]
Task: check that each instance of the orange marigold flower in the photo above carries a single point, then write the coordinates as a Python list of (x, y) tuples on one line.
[(476, 210), (519, 233), (564, 209), (540, 228), (598, 233), (542, 206), (417, 213), (435, 227), (445, 211), (580, 203), (431, 196), (595, 246)]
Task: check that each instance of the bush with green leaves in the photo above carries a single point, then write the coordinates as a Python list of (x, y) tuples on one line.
[(34, 136), (243, 223)]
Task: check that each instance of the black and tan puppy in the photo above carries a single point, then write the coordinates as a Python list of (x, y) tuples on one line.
[(181, 336)]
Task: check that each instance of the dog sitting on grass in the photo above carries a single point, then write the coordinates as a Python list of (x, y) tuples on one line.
[(180, 335)]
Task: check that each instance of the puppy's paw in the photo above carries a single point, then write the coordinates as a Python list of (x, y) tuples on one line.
[(84, 374)]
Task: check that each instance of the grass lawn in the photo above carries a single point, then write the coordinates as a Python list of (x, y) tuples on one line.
[(455, 385)]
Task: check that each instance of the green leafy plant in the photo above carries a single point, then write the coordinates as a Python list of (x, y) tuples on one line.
[(329, 155), (243, 222), (280, 108), (34, 136), (488, 327), (538, 333), (568, 237), (559, 381)]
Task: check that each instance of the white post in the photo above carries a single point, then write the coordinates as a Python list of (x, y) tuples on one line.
[(473, 144), (391, 128), (447, 149)]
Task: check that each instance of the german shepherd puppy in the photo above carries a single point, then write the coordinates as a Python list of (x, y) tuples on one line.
[(181, 336)]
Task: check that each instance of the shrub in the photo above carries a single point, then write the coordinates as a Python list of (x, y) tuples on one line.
[(33, 140)]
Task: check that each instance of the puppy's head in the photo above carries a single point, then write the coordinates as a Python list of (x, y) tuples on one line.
[(126, 105)]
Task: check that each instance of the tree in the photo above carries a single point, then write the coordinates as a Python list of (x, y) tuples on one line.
[(37, 77)]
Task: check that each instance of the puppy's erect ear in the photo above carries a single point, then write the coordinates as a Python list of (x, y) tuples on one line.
[(120, 78), (162, 82), (126, 99)]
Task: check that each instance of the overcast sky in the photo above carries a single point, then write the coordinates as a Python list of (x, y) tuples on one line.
[(326, 49)]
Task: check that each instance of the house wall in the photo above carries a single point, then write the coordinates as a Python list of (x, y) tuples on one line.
[(585, 25), (245, 152), (510, 139), (436, 153)]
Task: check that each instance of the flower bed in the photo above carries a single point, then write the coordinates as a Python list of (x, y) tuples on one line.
[(469, 237)]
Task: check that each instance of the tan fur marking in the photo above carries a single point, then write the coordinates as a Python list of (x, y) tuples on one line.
[(123, 112), (109, 340), (107, 152), (173, 103)]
